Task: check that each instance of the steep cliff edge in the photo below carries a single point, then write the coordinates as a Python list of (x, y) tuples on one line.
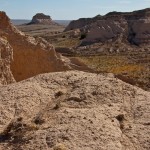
[(6, 56), (30, 56)]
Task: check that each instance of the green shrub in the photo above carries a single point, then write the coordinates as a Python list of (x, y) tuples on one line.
[(83, 36)]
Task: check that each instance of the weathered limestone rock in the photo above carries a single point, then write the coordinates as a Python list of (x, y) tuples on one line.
[(74, 111), (6, 56)]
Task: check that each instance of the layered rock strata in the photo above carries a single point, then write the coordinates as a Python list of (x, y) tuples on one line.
[(6, 57), (135, 26)]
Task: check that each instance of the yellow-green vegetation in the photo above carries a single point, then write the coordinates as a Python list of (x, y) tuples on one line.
[(120, 65), (67, 42), (60, 147)]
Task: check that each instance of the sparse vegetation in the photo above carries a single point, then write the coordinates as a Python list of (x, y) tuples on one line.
[(66, 42), (39, 30), (123, 65), (83, 36), (130, 67), (16, 133)]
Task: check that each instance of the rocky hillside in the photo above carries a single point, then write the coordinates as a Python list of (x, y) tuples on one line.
[(74, 111), (133, 26), (41, 18), (30, 56), (66, 110)]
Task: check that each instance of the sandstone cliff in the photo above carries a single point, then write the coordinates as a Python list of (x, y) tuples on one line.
[(135, 27), (6, 56), (30, 56), (74, 111)]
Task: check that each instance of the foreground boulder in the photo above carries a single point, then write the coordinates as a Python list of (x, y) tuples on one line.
[(6, 56), (74, 111), (30, 56)]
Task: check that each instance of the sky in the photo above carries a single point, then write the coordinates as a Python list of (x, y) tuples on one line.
[(68, 9)]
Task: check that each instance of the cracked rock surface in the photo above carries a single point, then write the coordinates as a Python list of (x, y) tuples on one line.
[(74, 110), (6, 56)]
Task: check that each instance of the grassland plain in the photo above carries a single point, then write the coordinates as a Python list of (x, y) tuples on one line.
[(129, 68)]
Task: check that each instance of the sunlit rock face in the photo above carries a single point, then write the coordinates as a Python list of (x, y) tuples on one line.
[(6, 56), (30, 56), (135, 26)]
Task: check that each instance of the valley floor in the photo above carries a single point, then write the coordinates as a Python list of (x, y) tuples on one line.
[(132, 65)]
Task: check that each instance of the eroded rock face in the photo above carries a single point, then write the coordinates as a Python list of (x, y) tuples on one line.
[(135, 27), (4, 21), (82, 22), (102, 31), (30, 56), (6, 56), (40, 18), (75, 111), (139, 32)]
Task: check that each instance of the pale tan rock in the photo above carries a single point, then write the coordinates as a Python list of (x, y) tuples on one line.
[(6, 56), (74, 111), (30, 56)]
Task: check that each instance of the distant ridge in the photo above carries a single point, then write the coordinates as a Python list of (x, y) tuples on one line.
[(24, 21), (41, 18), (19, 21), (133, 26)]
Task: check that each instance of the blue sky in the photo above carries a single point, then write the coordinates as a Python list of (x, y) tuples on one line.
[(68, 9)]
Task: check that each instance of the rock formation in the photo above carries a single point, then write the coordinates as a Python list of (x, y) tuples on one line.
[(74, 111), (30, 56), (82, 22), (69, 110), (40, 18), (6, 56), (33, 56), (134, 26)]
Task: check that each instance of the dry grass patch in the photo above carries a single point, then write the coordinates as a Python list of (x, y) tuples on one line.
[(139, 73)]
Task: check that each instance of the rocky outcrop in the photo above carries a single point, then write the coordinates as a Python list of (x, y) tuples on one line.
[(82, 22), (139, 32), (102, 31), (134, 26), (6, 56), (41, 18), (30, 56), (74, 111)]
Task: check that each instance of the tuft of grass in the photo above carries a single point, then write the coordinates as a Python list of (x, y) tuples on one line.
[(66, 42), (60, 147)]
